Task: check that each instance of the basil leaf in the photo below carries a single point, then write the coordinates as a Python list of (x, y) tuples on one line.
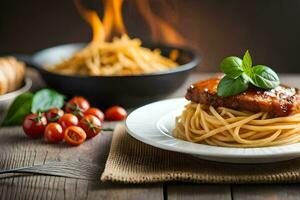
[(246, 77), (229, 87), (247, 62), (264, 77), (18, 110), (232, 66), (45, 99)]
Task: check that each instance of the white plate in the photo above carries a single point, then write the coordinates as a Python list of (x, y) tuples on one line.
[(153, 125)]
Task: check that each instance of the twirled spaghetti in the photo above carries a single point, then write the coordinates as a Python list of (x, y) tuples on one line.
[(231, 128)]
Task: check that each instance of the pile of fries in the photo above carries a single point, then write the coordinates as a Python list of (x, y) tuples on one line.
[(123, 56)]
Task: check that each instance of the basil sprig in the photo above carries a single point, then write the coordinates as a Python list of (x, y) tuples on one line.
[(18, 109), (46, 99), (28, 103), (239, 74)]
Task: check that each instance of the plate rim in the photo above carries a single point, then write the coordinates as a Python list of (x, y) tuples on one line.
[(288, 150), (24, 88)]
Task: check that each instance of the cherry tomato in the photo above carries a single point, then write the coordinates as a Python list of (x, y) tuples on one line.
[(96, 112), (67, 120), (77, 105), (115, 113), (74, 135), (91, 125), (54, 114), (34, 125), (54, 132)]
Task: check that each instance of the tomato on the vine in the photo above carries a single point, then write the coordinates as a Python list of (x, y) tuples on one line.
[(67, 120), (54, 114), (115, 113), (91, 125), (96, 112), (77, 105), (74, 135), (34, 125), (54, 132)]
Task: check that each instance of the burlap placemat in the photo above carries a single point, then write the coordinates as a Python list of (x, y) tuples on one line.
[(131, 161)]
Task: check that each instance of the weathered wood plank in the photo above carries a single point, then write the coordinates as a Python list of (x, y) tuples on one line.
[(21, 151), (198, 191), (262, 192), (98, 190), (51, 187)]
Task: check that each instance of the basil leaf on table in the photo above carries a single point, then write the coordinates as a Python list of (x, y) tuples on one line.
[(229, 86), (264, 77), (18, 110), (232, 66), (45, 99)]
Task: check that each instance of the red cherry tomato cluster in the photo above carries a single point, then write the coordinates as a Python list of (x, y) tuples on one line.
[(76, 123)]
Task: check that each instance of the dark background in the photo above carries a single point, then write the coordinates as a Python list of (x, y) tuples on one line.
[(270, 29)]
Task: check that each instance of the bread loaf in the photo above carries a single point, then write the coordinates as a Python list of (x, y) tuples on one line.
[(12, 74)]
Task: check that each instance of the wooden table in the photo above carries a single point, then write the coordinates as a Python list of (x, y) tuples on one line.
[(17, 150)]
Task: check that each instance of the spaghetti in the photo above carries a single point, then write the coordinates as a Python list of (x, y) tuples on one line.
[(231, 128), (123, 56)]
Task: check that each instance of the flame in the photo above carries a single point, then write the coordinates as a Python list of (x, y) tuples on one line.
[(113, 20), (160, 29), (112, 23), (91, 17)]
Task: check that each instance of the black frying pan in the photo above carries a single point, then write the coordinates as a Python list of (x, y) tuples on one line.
[(109, 90)]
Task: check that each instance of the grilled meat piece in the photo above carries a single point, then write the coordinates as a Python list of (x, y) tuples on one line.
[(280, 101)]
